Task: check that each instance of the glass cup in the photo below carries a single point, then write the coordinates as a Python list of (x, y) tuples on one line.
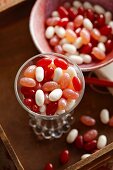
[(48, 126)]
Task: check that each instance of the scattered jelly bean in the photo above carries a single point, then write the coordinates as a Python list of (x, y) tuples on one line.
[(62, 104), (70, 94), (104, 116), (44, 62), (77, 83), (72, 135), (90, 146), (51, 108), (55, 95), (39, 74), (64, 156), (79, 142), (90, 135), (27, 82), (101, 142), (50, 86), (60, 63), (30, 71), (87, 120), (64, 81), (39, 97), (49, 166), (111, 122)]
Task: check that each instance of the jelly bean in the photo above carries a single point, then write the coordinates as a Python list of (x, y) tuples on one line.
[(77, 83), (49, 33), (52, 21), (77, 4), (50, 86), (42, 108), (102, 141), (90, 135), (72, 13), (27, 82), (85, 36), (106, 30), (39, 97), (44, 62), (30, 71), (63, 22), (101, 20), (104, 116), (86, 58), (84, 156), (46, 98), (51, 108), (89, 14), (78, 21), (108, 17), (86, 49), (59, 112), (63, 41), (49, 166), (55, 95), (64, 156), (79, 142), (87, 24), (60, 63), (103, 38), (75, 59), (70, 104), (58, 49), (87, 5), (71, 71), (70, 94), (78, 43), (35, 108), (70, 25), (27, 92), (54, 41), (57, 74), (55, 14), (28, 102), (111, 122), (87, 120), (60, 31), (39, 74), (69, 48), (90, 146), (94, 42), (67, 5), (81, 11), (99, 9), (48, 73), (77, 31), (70, 36), (95, 34), (109, 45), (62, 104), (64, 81), (99, 54), (72, 135), (101, 46), (62, 12)]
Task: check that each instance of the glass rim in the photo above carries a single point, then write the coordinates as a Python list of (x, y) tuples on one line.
[(37, 115)]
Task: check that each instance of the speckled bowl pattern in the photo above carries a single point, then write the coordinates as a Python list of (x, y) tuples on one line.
[(42, 9)]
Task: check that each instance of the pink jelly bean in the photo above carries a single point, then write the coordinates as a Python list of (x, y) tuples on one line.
[(78, 21), (46, 101), (99, 54), (70, 25), (52, 21), (62, 104), (70, 35), (58, 49), (85, 36), (60, 63), (65, 81), (30, 71), (70, 94), (44, 62), (50, 86), (90, 135), (77, 83), (54, 41), (27, 82)]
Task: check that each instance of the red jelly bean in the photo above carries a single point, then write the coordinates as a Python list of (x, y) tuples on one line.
[(79, 142), (90, 135), (51, 108), (60, 63), (101, 20), (86, 49), (90, 146), (28, 102), (87, 120), (44, 62), (77, 83), (93, 42), (106, 30), (48, 73), (64, 156), (72, 13), (63, 22), (62, 12), (89, 14), (27, 92), (109, 45), (111, 122), (49, 166), (81, 11), (35, 108)]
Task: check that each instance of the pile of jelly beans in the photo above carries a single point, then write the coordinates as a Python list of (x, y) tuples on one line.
[(50, 86), (82, 31)]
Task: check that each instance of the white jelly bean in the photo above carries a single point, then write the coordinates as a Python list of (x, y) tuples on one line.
[(78, 43), (59, 112), (71, 71), (103, 39), (42, 109), (76, 59), (99, 9), (101, 142), (55, 14), (72, 135), (104, 116), (67, 4), (39, 74), (85, 156), (69, 48), (70, 104), (108, 16), (55, 95), (87, 5), (63, 41), (49, 33), (111, 25), (101, 46), (86, 58), (57, 74), (77, 4), (60, 31), (39, 97), (87, 24)]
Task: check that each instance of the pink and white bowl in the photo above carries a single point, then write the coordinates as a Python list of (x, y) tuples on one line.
[(42, 9)]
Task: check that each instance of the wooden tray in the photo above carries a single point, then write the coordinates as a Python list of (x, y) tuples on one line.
[(16, 48)]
